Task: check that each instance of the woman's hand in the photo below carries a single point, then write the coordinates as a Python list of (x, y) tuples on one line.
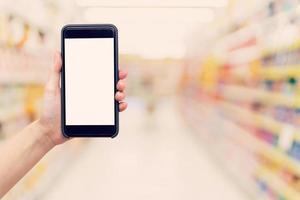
[(22, 151), (51, 114)]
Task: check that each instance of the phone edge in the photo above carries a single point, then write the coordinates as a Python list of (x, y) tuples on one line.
[(116, 77)]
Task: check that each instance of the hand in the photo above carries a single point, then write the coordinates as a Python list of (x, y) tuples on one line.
[(51, 114)]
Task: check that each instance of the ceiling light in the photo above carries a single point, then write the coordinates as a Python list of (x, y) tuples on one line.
[(146, 15)]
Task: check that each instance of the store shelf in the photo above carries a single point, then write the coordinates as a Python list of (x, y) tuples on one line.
[(247, 94), (277, 156), (274, 154), (250, 72), (6, 115), (20, 67), (247, 140), (291, 13), (248, 117), (234, 135), (279, 49), (251, 30), (271, 152), (277, 184), (279, 72)]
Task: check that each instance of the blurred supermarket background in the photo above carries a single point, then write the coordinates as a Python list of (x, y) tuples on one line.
[(213, 92)]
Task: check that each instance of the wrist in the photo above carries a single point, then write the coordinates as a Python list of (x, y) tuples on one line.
[(43, 133)]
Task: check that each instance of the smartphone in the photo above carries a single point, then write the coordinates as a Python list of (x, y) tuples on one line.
[(88, 80)]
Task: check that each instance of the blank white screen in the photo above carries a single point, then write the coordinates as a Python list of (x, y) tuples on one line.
[(89, 81)]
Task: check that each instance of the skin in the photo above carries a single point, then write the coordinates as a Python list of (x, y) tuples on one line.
[(21, 152)]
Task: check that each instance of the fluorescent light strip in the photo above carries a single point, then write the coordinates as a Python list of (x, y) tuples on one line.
[(146, 15)]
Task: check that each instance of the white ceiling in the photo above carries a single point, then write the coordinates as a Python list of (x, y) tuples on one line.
[(151, 32), (149, 28)]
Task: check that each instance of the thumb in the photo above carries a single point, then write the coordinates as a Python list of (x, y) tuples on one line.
[(54, 77)]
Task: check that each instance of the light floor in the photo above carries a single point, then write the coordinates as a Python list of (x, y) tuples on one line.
[(154, 157)]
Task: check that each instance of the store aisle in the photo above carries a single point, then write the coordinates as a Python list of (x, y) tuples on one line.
[(156, 159)]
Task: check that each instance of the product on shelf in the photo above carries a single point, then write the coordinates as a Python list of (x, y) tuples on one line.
[(25, 58), (248, 87)]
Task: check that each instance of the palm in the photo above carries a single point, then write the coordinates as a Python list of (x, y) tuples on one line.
[(51, 115)]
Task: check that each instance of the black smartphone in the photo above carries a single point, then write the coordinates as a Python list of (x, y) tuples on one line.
[(88, 80)]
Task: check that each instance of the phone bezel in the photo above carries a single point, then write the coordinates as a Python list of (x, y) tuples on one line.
[(89, 31)]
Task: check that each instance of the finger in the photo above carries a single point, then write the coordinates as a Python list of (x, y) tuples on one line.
[(122, 74), (122, 106), (54, 78), (57, 62), (120, 96), (121, 85)]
